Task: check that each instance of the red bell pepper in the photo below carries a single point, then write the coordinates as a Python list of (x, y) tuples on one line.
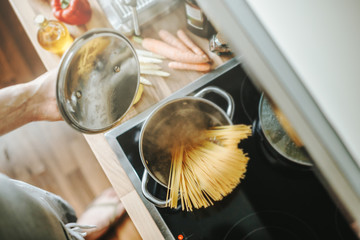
[(73, 12)]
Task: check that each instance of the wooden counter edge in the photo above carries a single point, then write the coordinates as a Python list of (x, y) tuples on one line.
[(98, 144), (123, 186)]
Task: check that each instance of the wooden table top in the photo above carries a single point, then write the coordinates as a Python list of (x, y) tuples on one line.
[(162, 88)]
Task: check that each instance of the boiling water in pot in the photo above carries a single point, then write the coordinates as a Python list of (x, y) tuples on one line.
[(181, 121)]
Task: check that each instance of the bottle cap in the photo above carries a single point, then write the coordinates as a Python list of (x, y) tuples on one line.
[(39, 19)]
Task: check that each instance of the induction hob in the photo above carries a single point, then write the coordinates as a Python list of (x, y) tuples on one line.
[(272, 202)]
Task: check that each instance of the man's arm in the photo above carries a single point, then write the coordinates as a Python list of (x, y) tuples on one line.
[(27, 102)]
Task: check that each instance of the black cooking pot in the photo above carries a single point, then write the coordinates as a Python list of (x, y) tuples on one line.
[(280, 146), (182, 118)]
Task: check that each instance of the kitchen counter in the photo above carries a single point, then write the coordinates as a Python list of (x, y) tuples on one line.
[(162, 88)]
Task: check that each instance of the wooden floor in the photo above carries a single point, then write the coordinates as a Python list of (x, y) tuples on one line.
[(51, 156)]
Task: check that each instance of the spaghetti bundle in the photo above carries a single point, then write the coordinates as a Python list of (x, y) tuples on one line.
[(206, 171)]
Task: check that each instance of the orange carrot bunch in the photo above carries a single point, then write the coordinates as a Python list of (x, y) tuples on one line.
[(183, 52)]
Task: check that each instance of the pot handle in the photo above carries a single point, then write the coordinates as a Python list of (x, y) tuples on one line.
[(157, 202), (225, 95)]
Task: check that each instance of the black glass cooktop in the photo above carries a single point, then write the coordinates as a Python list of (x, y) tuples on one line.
[(272, 202)]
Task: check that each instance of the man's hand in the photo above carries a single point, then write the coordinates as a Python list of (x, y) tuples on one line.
[(27, 102), (43, 101)]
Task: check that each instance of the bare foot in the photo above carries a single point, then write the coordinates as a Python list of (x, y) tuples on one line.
[(102, 212)]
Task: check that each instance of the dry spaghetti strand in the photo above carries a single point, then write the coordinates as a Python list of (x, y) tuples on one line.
[(208, 170)]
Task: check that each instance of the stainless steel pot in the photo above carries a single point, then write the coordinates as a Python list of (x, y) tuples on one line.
[(97, 81), (181, 118)]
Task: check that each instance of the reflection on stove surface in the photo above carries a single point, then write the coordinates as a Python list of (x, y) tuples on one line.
[(270, 203), (269, 225)]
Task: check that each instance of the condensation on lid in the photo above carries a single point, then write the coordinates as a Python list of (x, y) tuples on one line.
[(97, 81)]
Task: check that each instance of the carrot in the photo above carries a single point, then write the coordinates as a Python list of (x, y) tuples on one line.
[(164, 49), (190, 44), (172, 40), (201, 67)]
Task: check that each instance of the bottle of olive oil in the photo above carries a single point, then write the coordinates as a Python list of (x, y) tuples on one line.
[(53, 35)]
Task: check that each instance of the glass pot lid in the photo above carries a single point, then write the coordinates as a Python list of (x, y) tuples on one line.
[(278, 138), (97, 80)]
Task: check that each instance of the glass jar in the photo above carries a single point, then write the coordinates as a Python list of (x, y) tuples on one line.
[(53, 35), (196, 21)]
